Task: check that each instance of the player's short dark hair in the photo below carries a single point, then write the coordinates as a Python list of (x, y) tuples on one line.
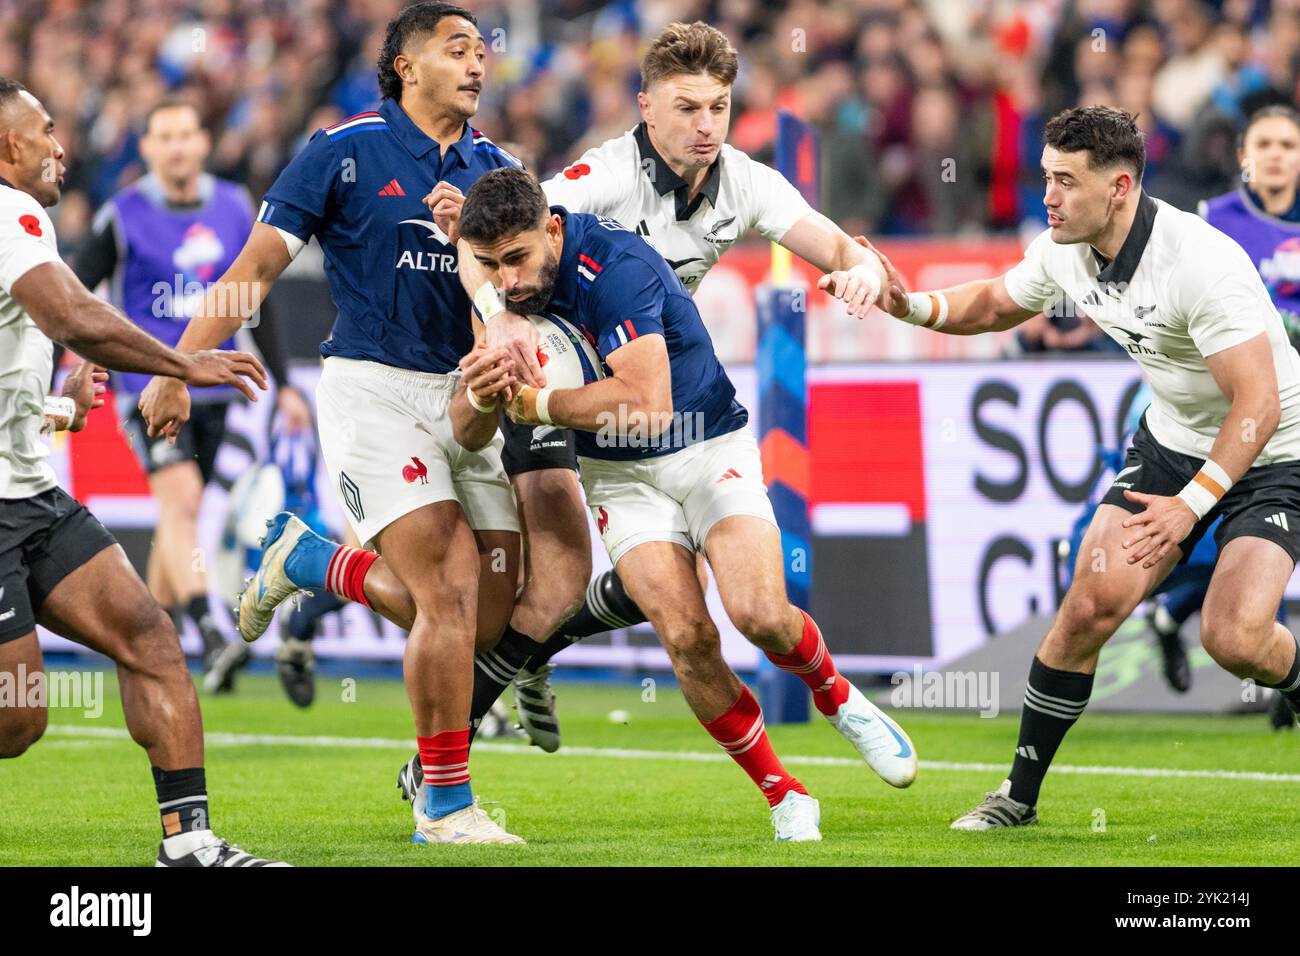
[(689, 48), (1273, 110), (417, 20), (172, 102), (8, 90), (1109, 136), (503, 203)]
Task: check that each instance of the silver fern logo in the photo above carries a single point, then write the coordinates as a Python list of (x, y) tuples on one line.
[(713, 237)]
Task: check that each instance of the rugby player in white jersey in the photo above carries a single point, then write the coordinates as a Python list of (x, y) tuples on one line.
[(58, 565), (1221, 437)]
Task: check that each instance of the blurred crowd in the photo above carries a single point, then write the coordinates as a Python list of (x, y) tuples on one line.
[(930, 110)]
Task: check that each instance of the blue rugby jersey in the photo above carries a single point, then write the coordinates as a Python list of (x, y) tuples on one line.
[(615, 287), (358, 188)]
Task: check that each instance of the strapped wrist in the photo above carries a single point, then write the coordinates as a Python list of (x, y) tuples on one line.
[(542, 404), (482, 407), (928, 309), (60, 413), (487, 302), (1206, 489)]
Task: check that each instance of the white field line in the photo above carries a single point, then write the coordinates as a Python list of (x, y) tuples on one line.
[(217, 739)]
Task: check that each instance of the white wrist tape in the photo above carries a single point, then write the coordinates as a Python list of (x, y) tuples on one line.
[(484, 407), (867, 275), (487, 301), (543, 406), (1206, 488), (59, 414), (929, 309)]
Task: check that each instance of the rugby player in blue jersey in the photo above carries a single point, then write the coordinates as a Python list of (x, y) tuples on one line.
[(669, 467), (444, 518)]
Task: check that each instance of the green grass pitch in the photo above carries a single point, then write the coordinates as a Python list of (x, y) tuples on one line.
[(639, 793)]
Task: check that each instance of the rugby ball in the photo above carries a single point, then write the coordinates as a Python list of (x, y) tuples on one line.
[(567, 357)]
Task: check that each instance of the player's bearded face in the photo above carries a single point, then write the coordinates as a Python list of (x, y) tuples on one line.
[(531, 296)]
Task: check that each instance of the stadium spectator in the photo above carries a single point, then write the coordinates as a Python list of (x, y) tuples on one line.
[(903, 92), (888, 82)]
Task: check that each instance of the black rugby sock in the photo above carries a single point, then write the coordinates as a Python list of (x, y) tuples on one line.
[(607, 608), (1054, 700)]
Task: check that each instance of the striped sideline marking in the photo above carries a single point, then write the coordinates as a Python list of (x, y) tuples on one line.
[(216, 739)]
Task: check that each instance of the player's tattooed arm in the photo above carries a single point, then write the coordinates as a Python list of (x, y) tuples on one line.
[(639, 393), (968, 309), (854, 273), (486, 379)]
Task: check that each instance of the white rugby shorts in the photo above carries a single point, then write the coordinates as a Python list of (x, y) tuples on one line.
[(676, 497), (387, 442)]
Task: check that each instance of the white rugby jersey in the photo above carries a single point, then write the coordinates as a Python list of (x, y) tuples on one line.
[(626, 179), (1179, 290), (26, 355)]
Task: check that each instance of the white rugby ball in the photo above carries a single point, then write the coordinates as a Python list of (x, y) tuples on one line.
[(567, 357)]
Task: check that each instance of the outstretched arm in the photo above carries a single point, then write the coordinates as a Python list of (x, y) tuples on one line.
[(984, 305), (70, 314), (233, 298), (854, 273)]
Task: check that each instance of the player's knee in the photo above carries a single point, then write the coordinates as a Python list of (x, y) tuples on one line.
[(1093, 611), (184, 508), (691, 641), (1233, 638), (566, 584), (20, 729), (179, 505), (151, 643), (452, 599), (763, 620), (577, 572)]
